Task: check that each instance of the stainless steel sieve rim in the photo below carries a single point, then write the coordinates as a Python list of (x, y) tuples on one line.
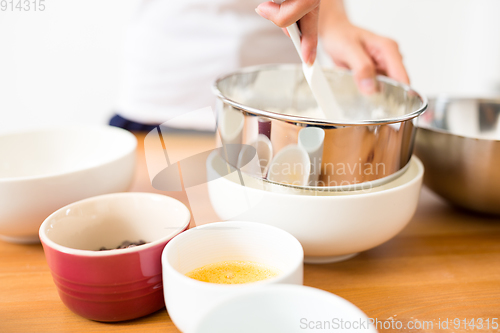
[(312, 121), (451, 98)]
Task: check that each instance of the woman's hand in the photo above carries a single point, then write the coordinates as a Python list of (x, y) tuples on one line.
[(362, 51), (365, 53), (305, 13)]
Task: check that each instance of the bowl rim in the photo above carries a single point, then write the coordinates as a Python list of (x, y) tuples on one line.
[(46, 241), (414, 159), (431, 128), (103, 128), (166, 266), (313, 121), (301, 291)]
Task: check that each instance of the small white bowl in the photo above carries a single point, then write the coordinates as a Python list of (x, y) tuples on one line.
[(264, 149), (187, 298), (45, 169), (331, 226), (284, 308), (291, 165), (312, 140)]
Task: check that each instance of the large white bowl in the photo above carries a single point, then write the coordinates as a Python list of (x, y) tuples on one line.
[(45, 169), (331, 226), (284, 308)]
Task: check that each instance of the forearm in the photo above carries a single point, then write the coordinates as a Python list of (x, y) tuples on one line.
[(332, 13)]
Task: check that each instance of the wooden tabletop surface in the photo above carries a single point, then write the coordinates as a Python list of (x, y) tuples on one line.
[(445, 265)]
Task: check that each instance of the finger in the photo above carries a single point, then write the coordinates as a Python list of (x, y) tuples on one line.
[(286, 32), (288, 12), (363, 67), (309, 40), (393, 61), (381, 71)]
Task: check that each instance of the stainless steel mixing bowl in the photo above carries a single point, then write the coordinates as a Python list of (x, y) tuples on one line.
[(371, 145), (459, 143)]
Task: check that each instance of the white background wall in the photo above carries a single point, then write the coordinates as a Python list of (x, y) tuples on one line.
[(449, 46), (63, 65)]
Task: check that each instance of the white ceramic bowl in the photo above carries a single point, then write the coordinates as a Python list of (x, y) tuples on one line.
[(187, 298), (331, 226), (45, 169), (284, 308)]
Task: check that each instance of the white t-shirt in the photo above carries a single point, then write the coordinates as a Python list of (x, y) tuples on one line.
[(176, 49)]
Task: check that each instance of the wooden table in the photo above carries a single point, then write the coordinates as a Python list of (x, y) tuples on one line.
[(445, 264)]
